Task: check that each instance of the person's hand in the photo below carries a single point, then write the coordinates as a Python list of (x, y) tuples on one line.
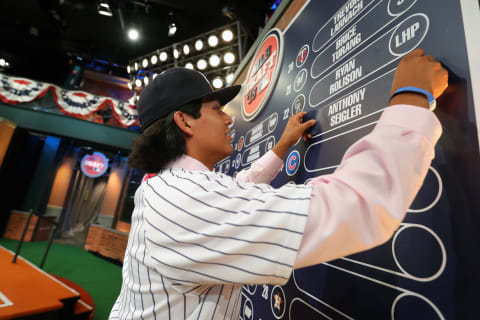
[(294, 129), (418, 70)]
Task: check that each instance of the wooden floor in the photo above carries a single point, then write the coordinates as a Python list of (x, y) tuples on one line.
[(26, 290)]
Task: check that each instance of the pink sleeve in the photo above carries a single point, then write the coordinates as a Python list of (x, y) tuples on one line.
[(362, 203), (263, 170)]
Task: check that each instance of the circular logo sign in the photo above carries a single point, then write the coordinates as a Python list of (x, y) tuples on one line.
[(302, 56), (262, 74), (293, 162), (94, 165)]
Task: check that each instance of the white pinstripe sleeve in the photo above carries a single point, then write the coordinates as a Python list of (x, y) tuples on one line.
[(205, 227)]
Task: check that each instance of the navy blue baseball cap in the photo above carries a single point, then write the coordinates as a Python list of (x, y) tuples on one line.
[(174, 88)]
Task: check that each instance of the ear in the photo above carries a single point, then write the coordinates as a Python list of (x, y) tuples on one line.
[(182, 120)]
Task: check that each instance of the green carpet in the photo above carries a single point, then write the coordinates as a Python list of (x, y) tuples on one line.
[(100, 278)]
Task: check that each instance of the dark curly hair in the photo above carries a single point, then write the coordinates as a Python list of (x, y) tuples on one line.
[(161, 142)]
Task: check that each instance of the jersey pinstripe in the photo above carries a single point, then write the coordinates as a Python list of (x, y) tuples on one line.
[(197, 236)]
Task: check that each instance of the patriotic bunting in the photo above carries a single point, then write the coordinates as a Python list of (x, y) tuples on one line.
[(18, 90), (15, 90)]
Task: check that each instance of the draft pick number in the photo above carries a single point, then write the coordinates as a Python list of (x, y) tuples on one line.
[(262, 74)]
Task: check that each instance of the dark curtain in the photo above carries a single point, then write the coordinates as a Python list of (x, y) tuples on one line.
[(83, 203)]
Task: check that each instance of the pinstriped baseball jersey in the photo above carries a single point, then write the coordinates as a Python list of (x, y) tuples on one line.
[(197, 236)]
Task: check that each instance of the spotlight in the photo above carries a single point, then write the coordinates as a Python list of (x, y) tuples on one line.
[(186, 49), (201, 64), (104, 8), (129, 69), (129, 84), (138, 83), (213, 41), (176, 53), (199, 45), (154, 75), (136, 66), (217, 83), (229, 58), (214, 60), (227, 35), (154, 59), (189, 65), (133, 34), (229, 78), (172, 29), (163, 56), (146, 80), (145, 63)]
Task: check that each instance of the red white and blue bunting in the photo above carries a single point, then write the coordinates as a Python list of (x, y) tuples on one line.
[(14, 90)]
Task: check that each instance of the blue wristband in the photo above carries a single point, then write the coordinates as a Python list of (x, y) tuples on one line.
[(431, 99)]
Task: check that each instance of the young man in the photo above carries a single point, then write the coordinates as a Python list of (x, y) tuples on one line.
[(197, 235)]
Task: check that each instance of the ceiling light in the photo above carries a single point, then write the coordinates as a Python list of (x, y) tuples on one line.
[(201, 64), (145, 63), (176, 53), (229, 58), (129, 69), (163, 56), (136, 66), (172, 29), (104, 8), (229, 78), (217, 83), (138, 83), (199, 45), (154, 59), (213, 41), (214, 60), (146, 80), (227, 35), (189, 65), (186, 49), (133, 34)]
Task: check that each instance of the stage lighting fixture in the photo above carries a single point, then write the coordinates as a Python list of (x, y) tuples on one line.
[(201, 64), (213, 41), (138, 82), (172, 29), (145, 62), (217, 83), (104, 8), (129, 84), (154, 75), (129, 69), (176, 53), (136, 66), (227, 35), (186, 49), (133, 34), (163, 56), (198, 45), (229, 78), (214, 60), (146, 80), (154, 59), (189, 65), (229, 58)]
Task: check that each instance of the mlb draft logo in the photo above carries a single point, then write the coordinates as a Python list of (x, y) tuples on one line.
[(262, 74), (292, 163), (94, 165)]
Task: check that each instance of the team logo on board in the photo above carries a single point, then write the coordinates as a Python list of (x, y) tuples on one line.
[(262, 74), (293, 162), (94, 165)]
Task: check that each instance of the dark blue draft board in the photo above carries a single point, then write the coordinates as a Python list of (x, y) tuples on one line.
[(433, 273)]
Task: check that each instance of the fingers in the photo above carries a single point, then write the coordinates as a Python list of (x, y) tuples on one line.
[(415, 53), (309, 123)]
